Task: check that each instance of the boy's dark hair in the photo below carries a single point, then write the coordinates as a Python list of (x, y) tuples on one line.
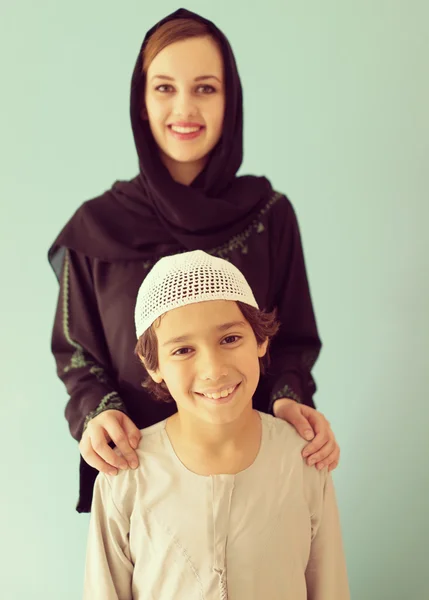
[(264, 326)]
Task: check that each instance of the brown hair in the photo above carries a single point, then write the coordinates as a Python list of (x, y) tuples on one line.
[(264, 326), (170, 32)]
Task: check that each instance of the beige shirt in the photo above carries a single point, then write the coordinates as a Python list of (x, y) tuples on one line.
[(271, 532)]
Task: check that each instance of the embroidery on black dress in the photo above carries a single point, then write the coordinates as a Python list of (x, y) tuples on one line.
[(286, 392), (111, 401), (78, 359), (239, 241)]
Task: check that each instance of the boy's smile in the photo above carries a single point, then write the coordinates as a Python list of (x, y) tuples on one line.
[(224, 394)]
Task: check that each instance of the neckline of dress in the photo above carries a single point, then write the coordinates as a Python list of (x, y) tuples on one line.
[(223, 476)]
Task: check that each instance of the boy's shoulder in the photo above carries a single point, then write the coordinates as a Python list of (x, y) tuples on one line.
[(151, 437), (287, 446), (281, 432), (152, 454), (150, 440)]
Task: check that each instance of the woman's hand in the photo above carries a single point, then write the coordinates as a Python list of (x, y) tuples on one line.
[(115, 426), (323, 450)]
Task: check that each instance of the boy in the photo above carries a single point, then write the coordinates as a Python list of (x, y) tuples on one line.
[(222, 505)]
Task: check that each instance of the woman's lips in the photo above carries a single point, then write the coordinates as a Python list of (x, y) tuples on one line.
[(184, 133)]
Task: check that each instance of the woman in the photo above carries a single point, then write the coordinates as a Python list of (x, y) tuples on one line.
[(186, 115)]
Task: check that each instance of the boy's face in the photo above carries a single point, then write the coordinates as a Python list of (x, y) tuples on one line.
[(209, 359)]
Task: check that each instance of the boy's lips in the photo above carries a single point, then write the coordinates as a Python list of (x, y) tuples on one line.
[(223, 394)]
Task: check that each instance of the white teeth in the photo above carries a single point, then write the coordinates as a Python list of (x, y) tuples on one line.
[(222, 394), (178, 129)]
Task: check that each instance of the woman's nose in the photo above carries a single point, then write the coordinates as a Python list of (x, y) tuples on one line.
[(184, 106)]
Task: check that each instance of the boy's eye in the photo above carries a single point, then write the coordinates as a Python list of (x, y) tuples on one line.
[(182, 351), (231, 339)]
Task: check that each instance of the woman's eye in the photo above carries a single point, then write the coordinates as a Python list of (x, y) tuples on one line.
[(231, 339), (202, 89), (206, 89), (163, 88)]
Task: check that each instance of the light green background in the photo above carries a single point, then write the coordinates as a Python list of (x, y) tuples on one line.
[(336, 114)]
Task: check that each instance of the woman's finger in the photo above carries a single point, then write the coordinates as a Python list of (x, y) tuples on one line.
[(100, 446), (323, 453), (132, 432), (94, 460), (121, 440), (334, 456), (316, 419), (315, 445)]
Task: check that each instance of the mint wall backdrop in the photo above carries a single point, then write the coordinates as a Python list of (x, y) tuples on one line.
[(336, 114)]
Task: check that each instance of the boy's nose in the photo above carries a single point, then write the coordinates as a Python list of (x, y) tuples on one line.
[(211, 368)]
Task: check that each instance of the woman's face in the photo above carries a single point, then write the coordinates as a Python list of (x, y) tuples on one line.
[(185, 104)]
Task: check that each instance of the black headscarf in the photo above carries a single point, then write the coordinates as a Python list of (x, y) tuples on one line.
[(153, 214)]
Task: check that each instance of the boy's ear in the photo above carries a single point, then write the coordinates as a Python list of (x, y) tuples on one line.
[(262, 348), (156, 376)]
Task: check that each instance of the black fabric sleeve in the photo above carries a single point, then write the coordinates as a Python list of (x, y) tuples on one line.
[(82, 358), (79, 347), (295, 348)]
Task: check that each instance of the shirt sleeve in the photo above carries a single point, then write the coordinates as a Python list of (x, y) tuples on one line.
[(296, 347), (79, 346), (109, 568), (326, 573)]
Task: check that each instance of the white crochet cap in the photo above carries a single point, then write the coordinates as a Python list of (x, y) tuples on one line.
[(188, 278)]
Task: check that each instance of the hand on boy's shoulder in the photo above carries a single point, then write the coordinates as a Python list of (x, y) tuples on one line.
[(323, 449), (110, 426)]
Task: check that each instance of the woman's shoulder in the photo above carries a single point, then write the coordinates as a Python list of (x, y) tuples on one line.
[(114, 226), (276, 203), (281, 214), (269, 223)]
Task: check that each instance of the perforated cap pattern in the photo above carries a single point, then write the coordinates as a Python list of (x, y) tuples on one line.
[(188, 278)]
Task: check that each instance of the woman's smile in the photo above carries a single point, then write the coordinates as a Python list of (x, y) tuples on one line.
[(185, 131)]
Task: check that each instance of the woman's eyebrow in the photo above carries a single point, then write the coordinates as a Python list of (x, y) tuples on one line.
[(199, 78)]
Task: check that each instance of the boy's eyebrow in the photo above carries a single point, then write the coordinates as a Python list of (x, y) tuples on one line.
[(230, 325), (223, 327), (176, 340), (199, 78)]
